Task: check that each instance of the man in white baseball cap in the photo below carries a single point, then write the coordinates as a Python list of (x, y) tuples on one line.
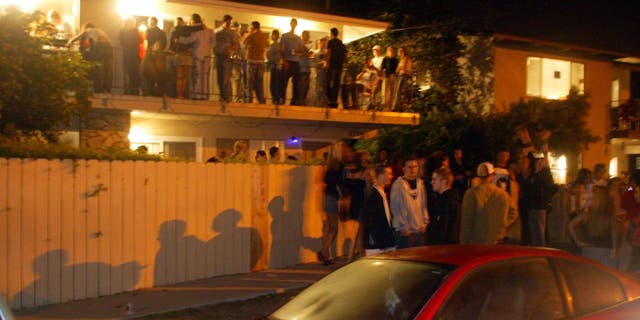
[(487, 212)]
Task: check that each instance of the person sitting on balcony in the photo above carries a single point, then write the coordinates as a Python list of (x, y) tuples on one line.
[(227, 45), (202, 40), (153, 63), (95, 45), (256, 44), (64, 30)]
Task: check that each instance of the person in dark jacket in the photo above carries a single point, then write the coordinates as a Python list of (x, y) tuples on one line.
[(443, 208), (376, 216), (538, 190)]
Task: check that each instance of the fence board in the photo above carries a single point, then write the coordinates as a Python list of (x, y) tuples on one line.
[(54, 241), (201, 220), (129, 275), (170, 246), (41, 235), (95, 190), (191, 207), (75, 229), (182, 222), (4, 226), (80, 231), (211, 199), (28, 226), (219, 206), (139, 202), (116, 231), (105, 227), (66, 224), (160, 261), (151, 225), (15, 225)]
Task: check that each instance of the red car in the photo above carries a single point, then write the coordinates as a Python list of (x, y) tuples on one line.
[(469, 282)]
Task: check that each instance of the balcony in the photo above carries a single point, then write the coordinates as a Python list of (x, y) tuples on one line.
[(163, 102)]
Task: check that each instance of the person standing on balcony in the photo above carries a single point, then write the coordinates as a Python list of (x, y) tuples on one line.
[(95, 45), (376, 62), (389, 67), (403, 87), (305, 67), (153, 63), (274, 60), (319, 57), (227, 44), (256, 44), (130, 41), (290, 48), (203, 40), (336, 55), (182, 55)]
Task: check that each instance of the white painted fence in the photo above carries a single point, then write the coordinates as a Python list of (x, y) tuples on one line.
[(86, 228)]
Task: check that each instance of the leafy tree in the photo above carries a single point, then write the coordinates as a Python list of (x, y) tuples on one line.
[(40, 90)]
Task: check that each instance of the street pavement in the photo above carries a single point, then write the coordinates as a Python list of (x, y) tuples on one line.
[(185, 295)]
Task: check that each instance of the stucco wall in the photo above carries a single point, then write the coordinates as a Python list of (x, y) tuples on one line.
[(510, 86)]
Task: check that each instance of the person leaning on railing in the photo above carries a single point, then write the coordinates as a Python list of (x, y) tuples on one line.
[(95, 45)]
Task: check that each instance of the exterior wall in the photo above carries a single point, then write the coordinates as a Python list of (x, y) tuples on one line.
[(510, 86), (597, 80), (103, 128), (78, 229)]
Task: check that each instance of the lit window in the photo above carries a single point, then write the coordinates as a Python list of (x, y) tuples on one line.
[(552, 78)]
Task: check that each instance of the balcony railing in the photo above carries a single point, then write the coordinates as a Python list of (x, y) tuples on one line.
[(158, 78)]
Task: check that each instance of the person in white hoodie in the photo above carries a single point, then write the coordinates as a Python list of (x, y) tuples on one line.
[(409, 206)]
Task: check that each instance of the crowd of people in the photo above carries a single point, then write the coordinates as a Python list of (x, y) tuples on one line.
[(415, 201), (302, 72)]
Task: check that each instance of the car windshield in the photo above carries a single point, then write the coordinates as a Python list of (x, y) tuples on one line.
[(368, 289)]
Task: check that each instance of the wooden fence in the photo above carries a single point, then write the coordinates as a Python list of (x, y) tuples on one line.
[(86, 228)]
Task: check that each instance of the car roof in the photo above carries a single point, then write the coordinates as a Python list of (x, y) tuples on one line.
[(459, 255)]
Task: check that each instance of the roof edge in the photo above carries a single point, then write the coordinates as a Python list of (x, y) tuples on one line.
[(284, 12)]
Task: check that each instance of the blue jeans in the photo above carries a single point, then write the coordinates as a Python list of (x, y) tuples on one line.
[(224, 66), (277, 94), (292, 71), (304, 88), (256, 80), (201, 79)]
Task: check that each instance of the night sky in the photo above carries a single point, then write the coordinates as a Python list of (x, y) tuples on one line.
[(607, 25)]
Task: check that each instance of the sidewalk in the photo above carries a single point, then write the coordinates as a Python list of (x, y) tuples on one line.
[(185, 295)]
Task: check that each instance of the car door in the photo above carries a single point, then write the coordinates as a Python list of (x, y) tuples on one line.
[(589, 288), (519, 288)]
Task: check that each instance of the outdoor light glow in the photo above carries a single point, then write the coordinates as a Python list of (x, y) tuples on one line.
[(137, 134), (613, 167), (283, 24), (25, 5), (128, 8), (558, 166), (562, 163), (295, 139)]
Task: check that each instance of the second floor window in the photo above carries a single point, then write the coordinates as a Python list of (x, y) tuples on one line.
[(553, 78)]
